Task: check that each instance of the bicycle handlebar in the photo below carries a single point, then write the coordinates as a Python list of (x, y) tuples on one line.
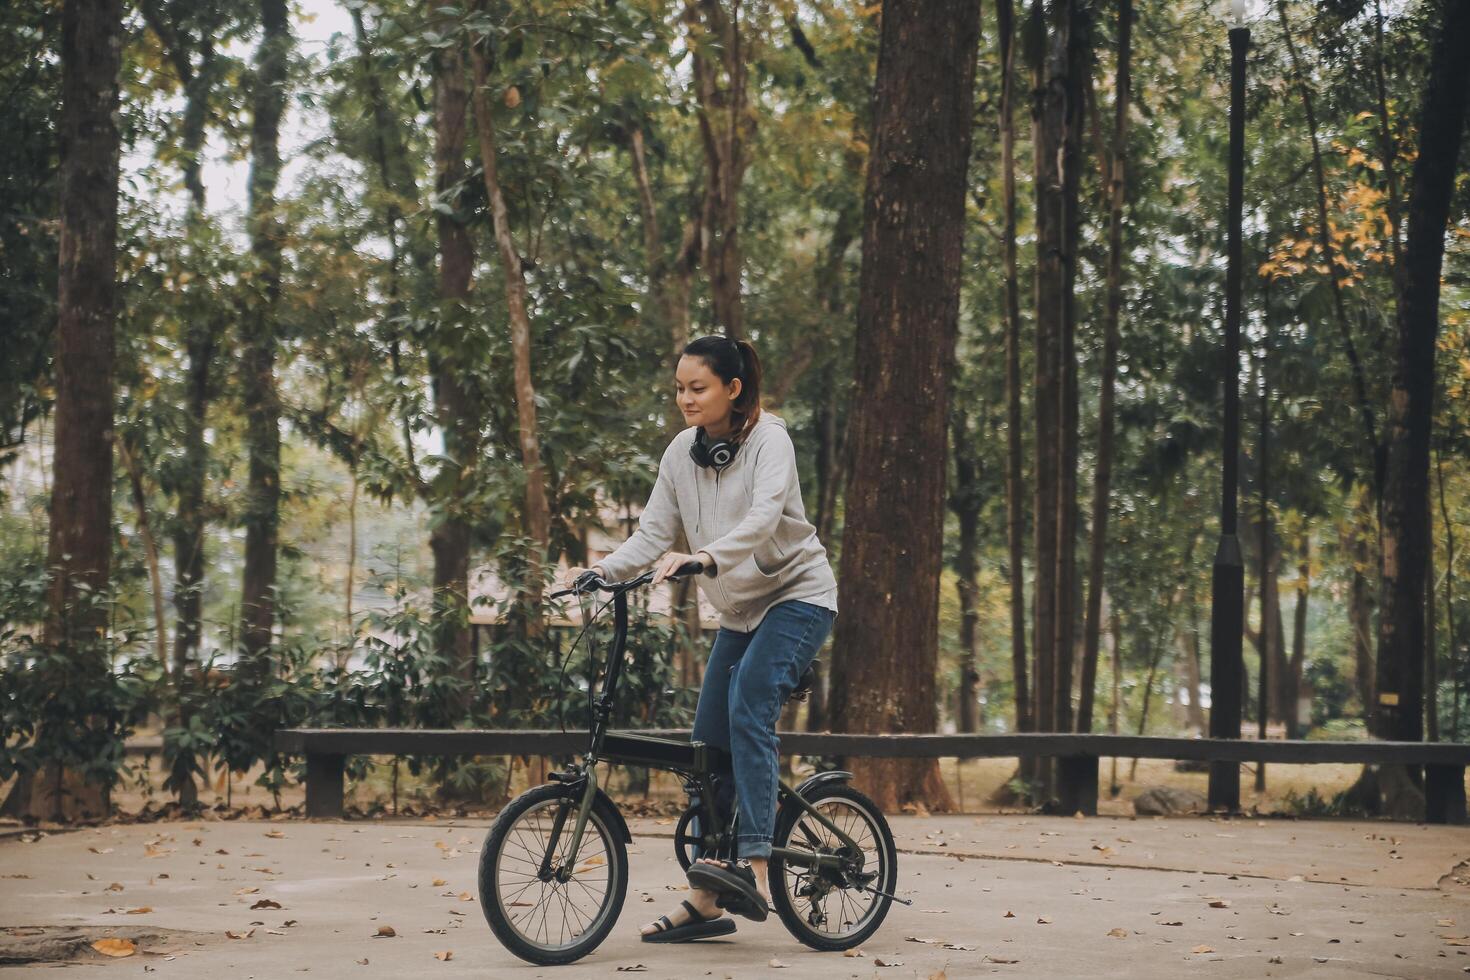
[(588, 582)]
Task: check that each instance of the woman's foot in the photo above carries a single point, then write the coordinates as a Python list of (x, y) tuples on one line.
[(760, 867), (703, 902), (741, 885)]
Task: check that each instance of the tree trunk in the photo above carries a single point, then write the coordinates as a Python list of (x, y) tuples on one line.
[(1015, 478), (537, 509), (79, 546), (1358, 546), (456, 408), (1299, 636), (908, 309), (1431, 663), (1335, 272), (1103, 479), (1399, 707), (258, 378), (1457, 670), (1077, 55), (1048, 108), (966, 502), (720, 64), (150, 550)]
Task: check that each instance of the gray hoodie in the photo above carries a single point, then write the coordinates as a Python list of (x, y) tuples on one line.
[(749, 518)]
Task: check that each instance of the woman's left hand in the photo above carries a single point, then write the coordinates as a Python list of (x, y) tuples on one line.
[(673, 561)]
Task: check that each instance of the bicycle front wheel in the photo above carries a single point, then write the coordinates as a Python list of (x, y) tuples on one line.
[(542, 908)]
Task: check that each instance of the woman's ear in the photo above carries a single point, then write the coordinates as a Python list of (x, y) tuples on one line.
[(735, 389)]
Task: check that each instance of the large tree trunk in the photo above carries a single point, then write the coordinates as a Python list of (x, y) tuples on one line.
[(537, 514), (456, 408), (1103, 479), (1015, 478), (1399, 708), (720, 60), (79, 546), (913, 226), (258, 377)]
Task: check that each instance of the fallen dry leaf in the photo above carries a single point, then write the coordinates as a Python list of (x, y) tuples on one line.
[(466, 897), (880, 961), (1203, 949), (115, 947), (246, 891), (854, 953), (1171, 923), (921, 939), (385, 932), (1118, 933), (939, 975), (1000, 959), (776, 964), (445, 956), (959, 946), (116, 886), (266, 903), (140, 910), (440, 882), (1220, 903), (1042, 920), (635, 968), (1009, 915), (239, 935), (277, 834)]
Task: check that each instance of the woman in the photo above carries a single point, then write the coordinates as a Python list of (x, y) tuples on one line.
[(729, 482)]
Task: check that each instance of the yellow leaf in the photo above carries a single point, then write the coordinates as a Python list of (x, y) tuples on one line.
[(115, 947)]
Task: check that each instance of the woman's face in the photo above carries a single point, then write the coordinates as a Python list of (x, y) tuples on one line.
[(704, 399)]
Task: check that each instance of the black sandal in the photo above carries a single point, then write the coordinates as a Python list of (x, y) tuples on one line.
[(698, 927), (735, 883)]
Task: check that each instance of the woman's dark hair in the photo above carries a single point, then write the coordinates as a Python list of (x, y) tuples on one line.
[(731, 359)]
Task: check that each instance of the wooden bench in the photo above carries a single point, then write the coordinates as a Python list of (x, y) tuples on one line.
[(1077, 756)]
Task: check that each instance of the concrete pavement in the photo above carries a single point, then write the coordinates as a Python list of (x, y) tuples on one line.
[(1002, 896)]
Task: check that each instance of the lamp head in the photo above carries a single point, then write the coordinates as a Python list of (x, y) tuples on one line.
[(1237, 14)]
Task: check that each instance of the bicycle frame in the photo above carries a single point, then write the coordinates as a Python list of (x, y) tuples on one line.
[(691, 760)]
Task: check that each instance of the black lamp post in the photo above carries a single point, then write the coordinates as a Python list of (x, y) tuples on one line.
[(1227, 592)]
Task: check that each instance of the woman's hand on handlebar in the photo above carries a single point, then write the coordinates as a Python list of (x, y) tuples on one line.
[(670, 564), (576, 578)]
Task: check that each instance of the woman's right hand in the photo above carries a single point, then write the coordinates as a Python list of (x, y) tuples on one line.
[(572, 574)]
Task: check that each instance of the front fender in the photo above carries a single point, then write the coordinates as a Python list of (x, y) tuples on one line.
[(614, 816)]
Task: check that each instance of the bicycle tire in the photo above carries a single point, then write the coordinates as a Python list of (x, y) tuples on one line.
[(516, 827), (863, 817)]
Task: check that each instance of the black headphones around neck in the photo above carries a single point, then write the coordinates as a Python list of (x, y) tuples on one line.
[(718, 454)]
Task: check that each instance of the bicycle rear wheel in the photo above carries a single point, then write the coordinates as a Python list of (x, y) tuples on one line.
[(832, 910), (544, 911)]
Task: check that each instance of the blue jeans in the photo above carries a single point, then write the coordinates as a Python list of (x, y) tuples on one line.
[(746, 682)]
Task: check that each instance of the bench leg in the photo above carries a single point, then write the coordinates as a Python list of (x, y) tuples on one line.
[(1077, 784), (1444, 794), (324, 779)]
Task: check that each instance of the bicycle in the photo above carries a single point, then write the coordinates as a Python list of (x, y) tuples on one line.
[(553, 870)]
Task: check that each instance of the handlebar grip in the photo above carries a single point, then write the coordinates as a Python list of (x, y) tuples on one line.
[(689, 568)]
